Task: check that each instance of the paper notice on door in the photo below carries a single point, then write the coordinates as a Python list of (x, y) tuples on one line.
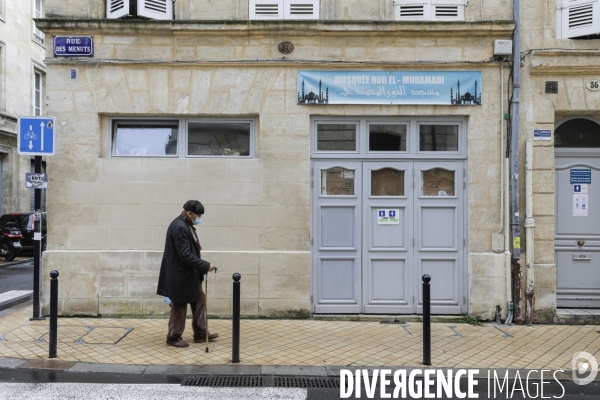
[(580, 205)]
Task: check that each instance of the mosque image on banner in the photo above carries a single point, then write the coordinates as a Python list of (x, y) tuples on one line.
[(312, 98), (466, 98)]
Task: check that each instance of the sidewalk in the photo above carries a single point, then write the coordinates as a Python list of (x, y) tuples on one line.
[(139, 344)]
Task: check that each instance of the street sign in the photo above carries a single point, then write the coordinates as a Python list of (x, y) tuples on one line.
[(36, 136), (73, 46), (36, 181)]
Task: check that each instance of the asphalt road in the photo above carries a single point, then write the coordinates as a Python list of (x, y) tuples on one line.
[(16, 277)]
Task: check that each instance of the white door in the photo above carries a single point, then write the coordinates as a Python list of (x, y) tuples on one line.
[(577, 213), (336, 241)]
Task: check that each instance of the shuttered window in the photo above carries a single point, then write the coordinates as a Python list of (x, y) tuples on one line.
[(429, 10), (283, 9), (154, 9), (578, 18), (117, 8)]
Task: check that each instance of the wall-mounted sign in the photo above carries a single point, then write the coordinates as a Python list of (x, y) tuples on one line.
[(580, 205), (73, 46), (457, 88), (36, 181), (580, 189), (542, 134), (388, 217), (593, 85), (581, 176)]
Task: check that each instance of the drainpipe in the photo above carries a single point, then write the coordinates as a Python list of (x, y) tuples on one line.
[(529, 227), (514, 163)]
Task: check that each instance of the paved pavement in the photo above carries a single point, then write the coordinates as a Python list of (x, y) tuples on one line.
[(317, 347)]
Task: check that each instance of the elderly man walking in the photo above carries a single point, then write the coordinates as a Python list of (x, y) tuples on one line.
[(181, 274)]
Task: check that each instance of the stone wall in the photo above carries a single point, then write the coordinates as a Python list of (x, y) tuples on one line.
[(108, 216), (376, 10)]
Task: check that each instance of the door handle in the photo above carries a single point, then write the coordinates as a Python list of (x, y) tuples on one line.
[(580, 243)]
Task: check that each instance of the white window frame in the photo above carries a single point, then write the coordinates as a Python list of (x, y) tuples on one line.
[(429, 10), (412, 137), (38, 93), (284, 8), (38, 12), (182, 135)]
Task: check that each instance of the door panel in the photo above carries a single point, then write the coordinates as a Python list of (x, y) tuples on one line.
[(439, 212), (336, 227), (387, 258), (578, 267)]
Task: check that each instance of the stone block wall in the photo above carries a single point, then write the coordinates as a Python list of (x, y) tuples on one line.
[(114, 212), (373, 10)]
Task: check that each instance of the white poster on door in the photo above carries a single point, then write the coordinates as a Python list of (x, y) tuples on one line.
[(580, 205)]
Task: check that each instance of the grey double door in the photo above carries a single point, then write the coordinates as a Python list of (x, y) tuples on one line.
[(377, 227)]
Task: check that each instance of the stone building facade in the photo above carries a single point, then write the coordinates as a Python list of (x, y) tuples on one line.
[(22, 93), (219, 63)]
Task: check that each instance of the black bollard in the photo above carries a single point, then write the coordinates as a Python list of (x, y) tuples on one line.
[(426, 320), (235, 347), (53, 313)]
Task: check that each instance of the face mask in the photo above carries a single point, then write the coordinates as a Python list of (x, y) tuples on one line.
[(197, 221)]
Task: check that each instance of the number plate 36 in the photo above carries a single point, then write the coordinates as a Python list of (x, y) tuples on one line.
[(593, 85)]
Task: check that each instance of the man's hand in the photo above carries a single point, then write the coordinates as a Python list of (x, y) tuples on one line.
[(212, 268)]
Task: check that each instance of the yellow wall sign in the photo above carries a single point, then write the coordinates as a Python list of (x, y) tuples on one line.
[(517, 243)]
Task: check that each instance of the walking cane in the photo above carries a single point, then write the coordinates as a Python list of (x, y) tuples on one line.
[(206, 311)]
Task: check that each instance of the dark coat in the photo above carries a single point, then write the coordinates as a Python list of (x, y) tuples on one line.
[(182, 268)]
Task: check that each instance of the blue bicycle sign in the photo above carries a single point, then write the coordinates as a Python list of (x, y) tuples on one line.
[(36, 136)]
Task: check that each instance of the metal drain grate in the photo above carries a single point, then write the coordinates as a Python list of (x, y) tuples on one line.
[(300, 382), (224, 381)]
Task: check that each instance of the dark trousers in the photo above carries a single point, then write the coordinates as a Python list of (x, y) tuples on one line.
[(178, 313)]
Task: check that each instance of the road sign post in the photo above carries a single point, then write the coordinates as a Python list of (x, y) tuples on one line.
[(36, 138)]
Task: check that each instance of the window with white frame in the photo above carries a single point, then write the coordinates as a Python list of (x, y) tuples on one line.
[(154, 9), (429, 10), (176, 138), (38, 87), (38, 12), (283, 9), (388, 137), (577, 18)]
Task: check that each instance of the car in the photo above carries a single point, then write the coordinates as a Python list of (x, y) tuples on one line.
[(24, 221)]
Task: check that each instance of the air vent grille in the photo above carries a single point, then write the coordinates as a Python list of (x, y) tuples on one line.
[(411, 11), (551, 87), (267, 9), (301, 9), (581, 16), (446, 11), (157, 5), (116, 5)]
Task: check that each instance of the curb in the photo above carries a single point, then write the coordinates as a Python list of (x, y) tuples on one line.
[(9, 263), (256, 370)]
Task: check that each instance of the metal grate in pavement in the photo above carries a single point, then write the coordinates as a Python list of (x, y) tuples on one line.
[(303, 382), (224, 381)]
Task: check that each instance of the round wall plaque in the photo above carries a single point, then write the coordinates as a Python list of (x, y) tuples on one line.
[(285, 47)]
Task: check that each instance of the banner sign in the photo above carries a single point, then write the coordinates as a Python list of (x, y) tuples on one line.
[(70, 46), (389, 87)]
